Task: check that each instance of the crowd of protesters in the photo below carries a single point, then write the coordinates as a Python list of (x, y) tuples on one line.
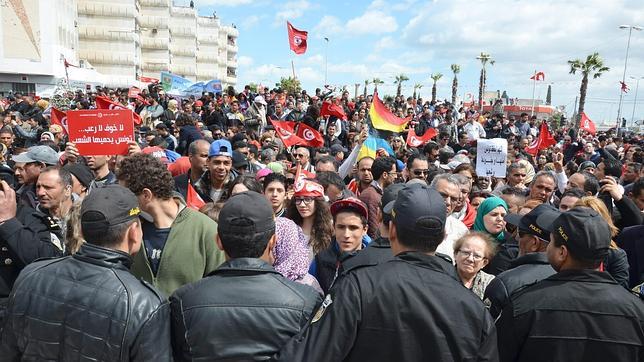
[(211, 240)]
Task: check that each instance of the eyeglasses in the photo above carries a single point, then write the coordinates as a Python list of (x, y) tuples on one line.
[(396, 141), (298, 155), (421, 172), (305, 200), (217, 135), (467, 254)]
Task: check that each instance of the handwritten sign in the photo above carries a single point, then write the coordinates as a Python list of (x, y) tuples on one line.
[(491, 157), (101, 131)]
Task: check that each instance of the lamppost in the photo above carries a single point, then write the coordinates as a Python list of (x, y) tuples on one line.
[(637, 85), (621, 92), (326, 59)]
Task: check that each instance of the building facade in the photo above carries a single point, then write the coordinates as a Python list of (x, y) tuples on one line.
[(110, 42)]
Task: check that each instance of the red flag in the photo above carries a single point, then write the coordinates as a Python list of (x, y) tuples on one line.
[(60, 118), (133, 92), (106, 103), (539, 76), (68, 64), (285, 131), (312, 137), (302, 174), (416, 141), (193, 200), (330, 109), (148, 80), (586, 124), (296, 39), (624, 87), (542, 142)]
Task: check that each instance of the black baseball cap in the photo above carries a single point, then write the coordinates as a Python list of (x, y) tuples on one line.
[(108, 206), (246, 212), (389, 195), (82, 173), (583, 231), (239, 159), (419, 209), (536, 221)]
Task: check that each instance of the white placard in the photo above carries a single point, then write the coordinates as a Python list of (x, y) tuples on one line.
[(491, 157)]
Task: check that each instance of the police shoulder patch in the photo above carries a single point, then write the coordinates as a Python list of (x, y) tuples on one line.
[(320, 312)]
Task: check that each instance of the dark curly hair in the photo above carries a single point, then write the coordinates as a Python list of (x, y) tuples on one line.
[(142, 171), (322, 230)]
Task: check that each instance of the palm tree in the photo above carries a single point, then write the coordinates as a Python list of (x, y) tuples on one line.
[(417, 86), (366, 83), (455, 69), (399, 80), (484, 58), (435, 77), (375, 82), (357, 85), (594, 65)]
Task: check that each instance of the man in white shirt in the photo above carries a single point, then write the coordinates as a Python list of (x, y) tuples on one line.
[(474, 129)]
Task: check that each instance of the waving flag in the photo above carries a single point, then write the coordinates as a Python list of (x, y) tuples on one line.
[(371, 146), (59, 117), (312, 137), (330, 109), (106, 103), (414, 140), (586, 124), (193, 200), (296, 39), (539, 76), (542, 142), (383, 119), (624, 87), (286, 132)]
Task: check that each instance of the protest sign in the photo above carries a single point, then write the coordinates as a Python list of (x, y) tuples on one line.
[(101, 131), (491, 156)]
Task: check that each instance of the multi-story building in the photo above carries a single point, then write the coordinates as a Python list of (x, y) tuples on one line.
[(115, 42)]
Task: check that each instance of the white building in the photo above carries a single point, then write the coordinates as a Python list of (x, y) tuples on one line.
[(115, 42)]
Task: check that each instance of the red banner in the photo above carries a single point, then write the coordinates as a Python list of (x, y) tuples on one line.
[(414, 140), (285, 131), (101, 131), (106, 103), (59, 117), (312, 137), (331, 109), (296, 39), (586, 124), (148, 80), (133, 92)]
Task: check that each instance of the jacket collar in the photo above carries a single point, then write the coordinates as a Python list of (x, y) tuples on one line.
[(99, 255), (531, 258), (380, 242), (584, 276), (244, 265), (429, 261)]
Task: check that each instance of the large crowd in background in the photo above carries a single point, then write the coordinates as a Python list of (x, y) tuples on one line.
[(211, 240)]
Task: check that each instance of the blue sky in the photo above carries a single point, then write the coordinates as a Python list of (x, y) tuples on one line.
[(384, 38)]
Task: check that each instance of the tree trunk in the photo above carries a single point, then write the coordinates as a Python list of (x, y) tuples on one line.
[(414, 92), (356, 91), (481, 89), (582, 99), (365, 91), (434, 92), (454, 89), (399, 90)]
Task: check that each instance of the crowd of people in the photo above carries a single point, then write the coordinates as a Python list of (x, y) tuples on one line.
[(212, 240)]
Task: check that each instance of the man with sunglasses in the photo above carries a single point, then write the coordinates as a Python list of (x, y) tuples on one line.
[(532, 264), (417, 168), (302, 156)]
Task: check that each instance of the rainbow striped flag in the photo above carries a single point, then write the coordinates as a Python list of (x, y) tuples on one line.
[(383, 119), (371, 145)]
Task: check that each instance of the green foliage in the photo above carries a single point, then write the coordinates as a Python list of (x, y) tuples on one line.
[(290, 85)]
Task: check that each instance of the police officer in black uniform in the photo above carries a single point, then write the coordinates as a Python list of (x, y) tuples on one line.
[(411, 308), (579, 313)]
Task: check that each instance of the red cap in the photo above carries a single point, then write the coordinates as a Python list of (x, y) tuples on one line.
[(198, 103), (308, 188), (157, 152), (350, 203)]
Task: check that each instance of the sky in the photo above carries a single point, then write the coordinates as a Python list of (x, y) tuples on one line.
[(377, 38)]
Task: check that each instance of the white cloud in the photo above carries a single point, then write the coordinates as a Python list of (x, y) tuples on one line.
[(222, 3), (386, 43), (372, 22), (250, 21), (291, 10), (245, 61), (328, 25)]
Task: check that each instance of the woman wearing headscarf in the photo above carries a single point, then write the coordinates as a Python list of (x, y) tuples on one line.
[(170, 114), (490, 220), (291, 253)]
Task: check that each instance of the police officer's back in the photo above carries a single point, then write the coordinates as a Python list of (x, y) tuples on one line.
[(88, 306), (579, 313), (410, 308)]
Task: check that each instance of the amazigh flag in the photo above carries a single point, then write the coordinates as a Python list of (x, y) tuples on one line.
[(414, 140), (539, 76), (296, 39), (106, 103), (586, 124), (311, 137), (286, 132), (383, 119), (542, 142), (371, 146), (193, 200), (59, 117)]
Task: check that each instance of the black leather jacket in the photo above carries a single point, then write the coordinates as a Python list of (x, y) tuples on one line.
[(85, 307), (244, 310)]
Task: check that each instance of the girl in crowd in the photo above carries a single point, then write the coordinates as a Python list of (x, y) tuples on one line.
[(473, 252), (310, 211)]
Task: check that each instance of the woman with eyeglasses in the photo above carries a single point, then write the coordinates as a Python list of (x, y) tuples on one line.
[(310, 211), (398, 146), (472, 253)]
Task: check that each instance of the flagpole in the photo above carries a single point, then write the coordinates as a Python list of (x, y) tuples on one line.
[(326, 60), (293, 68), (534, 86)]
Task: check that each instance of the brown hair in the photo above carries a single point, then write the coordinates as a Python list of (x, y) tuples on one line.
[(598, 205), (322, 229), (73, 235)]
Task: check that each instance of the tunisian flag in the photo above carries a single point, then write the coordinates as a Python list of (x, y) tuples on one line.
[(538, 76), (331, 109), (286, 132), (544, 140), (586, 124), (59, 117), (414, 140), (311, 137), (106, 103), (296, 39), (193, 200)]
